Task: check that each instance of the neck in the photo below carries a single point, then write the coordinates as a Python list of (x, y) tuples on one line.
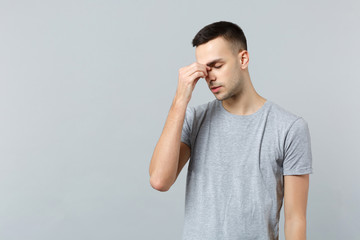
[(246, 102)]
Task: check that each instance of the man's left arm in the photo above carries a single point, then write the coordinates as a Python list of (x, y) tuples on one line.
[(296, 189)]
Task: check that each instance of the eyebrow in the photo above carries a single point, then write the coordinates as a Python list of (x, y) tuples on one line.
[(210, 64)]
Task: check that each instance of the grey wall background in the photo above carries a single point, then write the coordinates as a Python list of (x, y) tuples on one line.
[(85, 89)]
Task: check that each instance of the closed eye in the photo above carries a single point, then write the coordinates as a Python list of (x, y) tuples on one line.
[(218, 66)]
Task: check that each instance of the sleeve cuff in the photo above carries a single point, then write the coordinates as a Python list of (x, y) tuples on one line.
[(298, 171)]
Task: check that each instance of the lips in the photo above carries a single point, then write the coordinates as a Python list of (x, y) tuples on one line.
[(215, 87)]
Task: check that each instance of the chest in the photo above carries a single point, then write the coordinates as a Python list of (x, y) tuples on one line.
[(246, 147)]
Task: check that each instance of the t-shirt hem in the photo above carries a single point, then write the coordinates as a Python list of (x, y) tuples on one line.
[(299, 171)]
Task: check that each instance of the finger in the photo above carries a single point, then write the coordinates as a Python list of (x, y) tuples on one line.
[(205, 67), (198, 74), (191, 69), (195, 67), (190, 73)]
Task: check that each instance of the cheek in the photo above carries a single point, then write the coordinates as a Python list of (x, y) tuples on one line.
[(228, 74), (225, 72), (233, 77)]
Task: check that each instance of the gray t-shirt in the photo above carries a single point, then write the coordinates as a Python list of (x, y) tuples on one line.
[(234, 184)]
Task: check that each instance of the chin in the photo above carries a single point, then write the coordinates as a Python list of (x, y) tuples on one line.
[(220, 98)]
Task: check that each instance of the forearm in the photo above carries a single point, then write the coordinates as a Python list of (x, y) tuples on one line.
[(295, 229), (164, 162)]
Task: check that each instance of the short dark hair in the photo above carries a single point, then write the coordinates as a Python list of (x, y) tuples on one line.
[(228, 30)]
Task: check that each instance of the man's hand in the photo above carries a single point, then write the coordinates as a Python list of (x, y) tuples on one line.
[(188, 77)]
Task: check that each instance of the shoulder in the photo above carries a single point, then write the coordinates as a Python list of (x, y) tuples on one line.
[(285, 117), (201, 110), (282, 114)]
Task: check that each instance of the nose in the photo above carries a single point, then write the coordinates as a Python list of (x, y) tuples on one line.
[(210, 76)]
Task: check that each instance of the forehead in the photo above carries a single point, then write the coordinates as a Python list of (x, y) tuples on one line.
[(213, 49)]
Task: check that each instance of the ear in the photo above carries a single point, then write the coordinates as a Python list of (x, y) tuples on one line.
[(243, 57)]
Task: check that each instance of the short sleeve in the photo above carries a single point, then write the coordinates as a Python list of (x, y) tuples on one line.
[(187, 126), (297, 149)]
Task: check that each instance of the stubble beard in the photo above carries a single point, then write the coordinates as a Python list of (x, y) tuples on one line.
[(235, 90)]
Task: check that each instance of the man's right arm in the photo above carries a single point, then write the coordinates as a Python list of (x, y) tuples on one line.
[(170, 155)]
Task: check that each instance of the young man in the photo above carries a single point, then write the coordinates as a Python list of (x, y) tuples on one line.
[(248, 154)]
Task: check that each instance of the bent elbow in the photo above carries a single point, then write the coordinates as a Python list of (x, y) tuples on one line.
[(158, 185)]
